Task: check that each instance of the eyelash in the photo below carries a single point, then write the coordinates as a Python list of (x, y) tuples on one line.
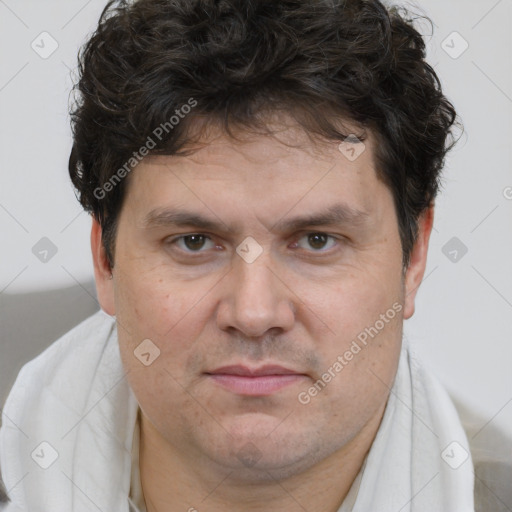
[(176, 240)]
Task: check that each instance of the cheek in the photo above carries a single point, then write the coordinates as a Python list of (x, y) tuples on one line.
[(153, 304), (158, 327), (343, 307), (358, 335), (176, 317)]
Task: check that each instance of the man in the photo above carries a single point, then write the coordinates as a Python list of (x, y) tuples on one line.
[(261, 178)]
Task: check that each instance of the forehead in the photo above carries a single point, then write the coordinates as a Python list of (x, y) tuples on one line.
[(286, 140), (264, 174), (287, 148)]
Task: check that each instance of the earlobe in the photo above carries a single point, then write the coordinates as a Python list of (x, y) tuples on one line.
[(102, 270), (418, 261)]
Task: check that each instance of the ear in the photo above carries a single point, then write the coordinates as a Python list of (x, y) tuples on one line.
[(102, 271), (418, 261)]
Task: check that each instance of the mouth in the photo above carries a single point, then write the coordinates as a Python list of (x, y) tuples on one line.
[(262, 381)]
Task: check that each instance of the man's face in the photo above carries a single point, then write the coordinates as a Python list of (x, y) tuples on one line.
[(246, 327)]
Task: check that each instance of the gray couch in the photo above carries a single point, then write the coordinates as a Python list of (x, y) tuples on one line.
[(30, 322)]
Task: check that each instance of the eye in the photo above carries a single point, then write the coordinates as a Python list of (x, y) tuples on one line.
[(194, 242), (316, 241)]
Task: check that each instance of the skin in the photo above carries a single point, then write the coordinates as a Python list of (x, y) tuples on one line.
[(299, 304)]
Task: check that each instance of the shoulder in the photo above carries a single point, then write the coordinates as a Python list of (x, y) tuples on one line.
[(81, 346)]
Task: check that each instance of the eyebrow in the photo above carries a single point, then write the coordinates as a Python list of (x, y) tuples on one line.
[(338, 214)]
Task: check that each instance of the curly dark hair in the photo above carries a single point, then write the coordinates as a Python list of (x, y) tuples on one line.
[(234, 61)]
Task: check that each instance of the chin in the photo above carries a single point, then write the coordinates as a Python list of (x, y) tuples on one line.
[(263, 452)]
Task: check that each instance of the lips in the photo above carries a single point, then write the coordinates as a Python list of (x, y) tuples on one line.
[(244, 371), (262, 381)]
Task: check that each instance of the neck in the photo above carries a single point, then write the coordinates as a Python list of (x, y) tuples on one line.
[(175, 480)]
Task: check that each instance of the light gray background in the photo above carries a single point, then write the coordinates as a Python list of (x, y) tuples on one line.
[(463, 323)]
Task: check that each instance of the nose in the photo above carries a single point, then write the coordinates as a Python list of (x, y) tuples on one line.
[(256, 299)]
